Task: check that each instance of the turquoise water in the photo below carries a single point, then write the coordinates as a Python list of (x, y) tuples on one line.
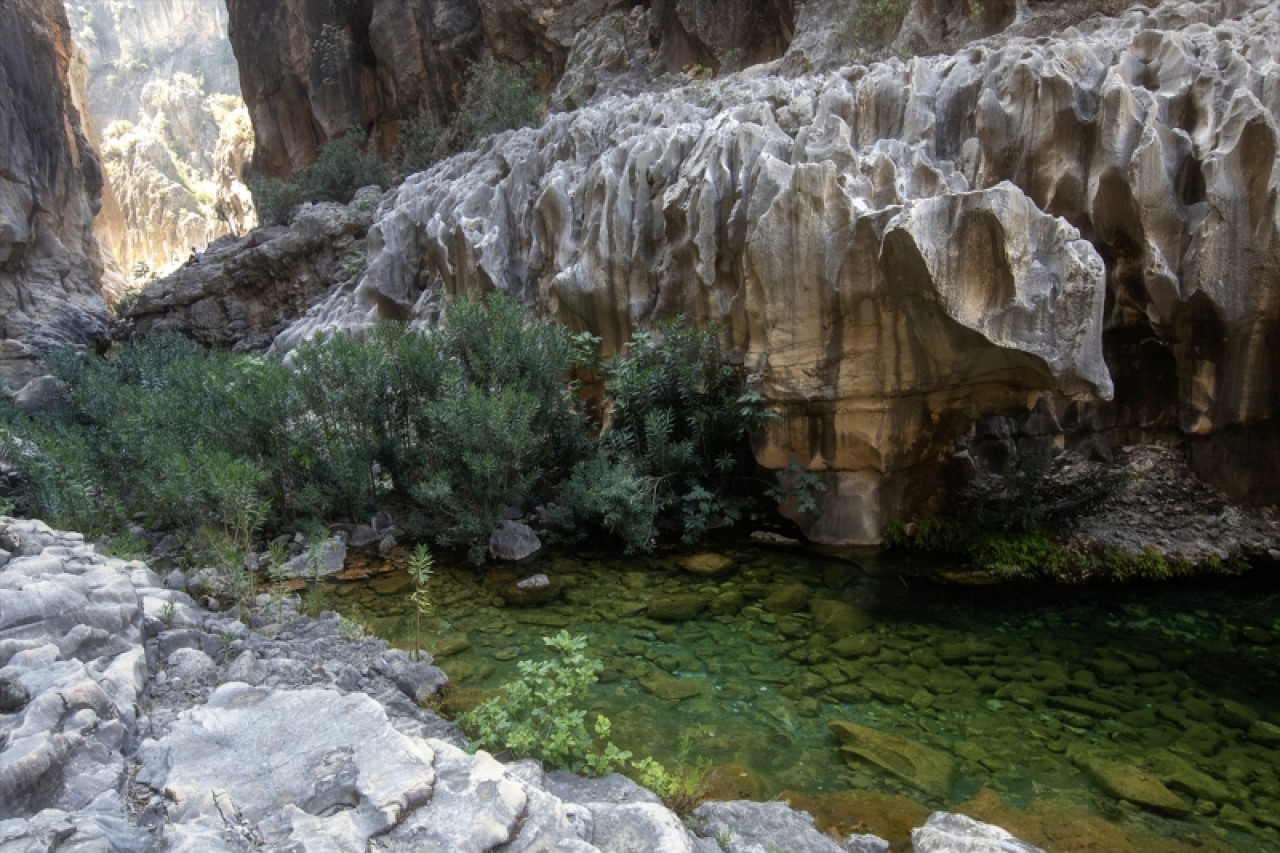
[(1107, 717)]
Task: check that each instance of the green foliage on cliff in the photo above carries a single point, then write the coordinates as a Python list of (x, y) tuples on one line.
[(341, 168), (496, 98)]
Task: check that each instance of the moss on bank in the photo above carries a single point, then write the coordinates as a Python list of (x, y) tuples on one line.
[(1037, 553)]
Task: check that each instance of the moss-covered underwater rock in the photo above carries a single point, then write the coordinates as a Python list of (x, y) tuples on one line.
[(914, 763)]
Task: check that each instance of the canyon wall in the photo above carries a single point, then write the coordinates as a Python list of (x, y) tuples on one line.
[(1085, 227), (51, 266), (314, 69), (163, 92)]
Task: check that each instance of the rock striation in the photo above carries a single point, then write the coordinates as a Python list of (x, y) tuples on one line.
[(900, 249), (51, 266)]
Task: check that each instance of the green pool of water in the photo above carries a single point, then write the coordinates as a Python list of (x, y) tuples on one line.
[(1151, 708)]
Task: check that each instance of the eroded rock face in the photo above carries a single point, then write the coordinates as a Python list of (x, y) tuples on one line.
[(50, 188), (899, 249), (313, 69)]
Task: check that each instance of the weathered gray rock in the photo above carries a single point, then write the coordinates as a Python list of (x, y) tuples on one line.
[(358, 778), (945, 832), (748, 827), (324, 559), (245, 290), (513, 540)]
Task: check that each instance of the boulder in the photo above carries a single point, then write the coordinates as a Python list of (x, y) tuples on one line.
[(669, 688), (747, 827), (836, 619), (706, 564), (945, 832), (1131, 783), (535, 589), (677, 608), (915, 764), (787, 599), (324, 559), (513, 541)]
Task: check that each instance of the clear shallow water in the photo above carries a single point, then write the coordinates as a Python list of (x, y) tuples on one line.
[(1082, 718)]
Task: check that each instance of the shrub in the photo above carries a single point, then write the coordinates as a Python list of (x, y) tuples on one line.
[(541, 715), (339, 170), (872, 23), (275, 200), (496, 99), (684, 418), (419, 144), (610, 495)]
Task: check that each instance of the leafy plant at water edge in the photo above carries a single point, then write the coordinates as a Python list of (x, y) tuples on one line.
[(541, 715), (683, 417), (682, 788)]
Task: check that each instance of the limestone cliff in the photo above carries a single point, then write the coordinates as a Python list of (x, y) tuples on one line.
[(901, 248), (50, 186), (313, 69), (163, 92)]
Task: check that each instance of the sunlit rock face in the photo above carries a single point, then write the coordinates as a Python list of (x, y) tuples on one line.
[(899, 249), (163, 91), (50, 185)]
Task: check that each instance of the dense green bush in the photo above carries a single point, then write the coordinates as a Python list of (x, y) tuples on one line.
[(341, 168), (496, 99), (455, 426), (683, 417)]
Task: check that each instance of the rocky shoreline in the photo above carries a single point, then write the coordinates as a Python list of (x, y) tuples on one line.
[(131, 718)]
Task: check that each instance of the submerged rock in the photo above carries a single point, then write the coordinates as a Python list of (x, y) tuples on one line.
[(914, 763), (535, 589), (706, 564), (677, 608), (1131, 783)]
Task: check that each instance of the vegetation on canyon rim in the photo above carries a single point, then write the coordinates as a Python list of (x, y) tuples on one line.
[(495, 99), (452, 427)]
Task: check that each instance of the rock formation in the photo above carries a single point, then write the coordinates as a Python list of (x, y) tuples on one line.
[(50, 187), (243, 291), (174, 135), (899, 249)]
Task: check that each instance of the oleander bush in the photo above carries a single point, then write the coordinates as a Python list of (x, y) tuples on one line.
[(453, 426)]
